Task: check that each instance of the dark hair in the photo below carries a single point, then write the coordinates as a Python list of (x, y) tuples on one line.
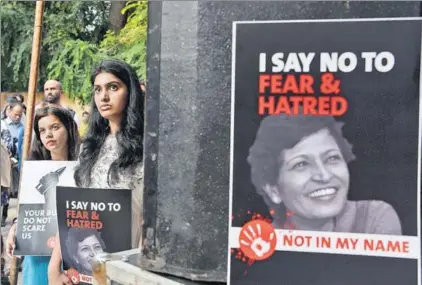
[(279, 132), (130, 135), (12, 102), (77, 235), (20, 96), (38, 150)]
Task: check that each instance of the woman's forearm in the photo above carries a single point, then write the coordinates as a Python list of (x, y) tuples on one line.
[(54, 266)]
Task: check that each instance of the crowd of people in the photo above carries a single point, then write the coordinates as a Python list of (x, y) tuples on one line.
[(13, 118), (107, 142)]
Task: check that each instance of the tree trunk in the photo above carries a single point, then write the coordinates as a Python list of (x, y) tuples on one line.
[(116, 19)]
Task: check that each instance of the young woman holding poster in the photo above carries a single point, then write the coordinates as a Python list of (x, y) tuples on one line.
[(56, 138), (112, 151), (299, 166)]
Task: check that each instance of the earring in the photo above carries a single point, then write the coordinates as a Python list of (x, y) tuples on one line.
[(272, 193), (276, 198)]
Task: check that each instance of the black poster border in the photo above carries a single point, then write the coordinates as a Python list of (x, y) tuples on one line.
[(232, 119)]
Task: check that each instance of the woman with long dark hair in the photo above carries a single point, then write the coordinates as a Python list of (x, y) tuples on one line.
[(56, 138), (112, 151)]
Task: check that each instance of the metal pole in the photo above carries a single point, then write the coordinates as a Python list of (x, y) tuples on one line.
[(33, 76)]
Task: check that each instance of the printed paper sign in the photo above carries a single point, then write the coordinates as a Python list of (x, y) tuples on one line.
[(325, 152), (37, 219), (91, 222)]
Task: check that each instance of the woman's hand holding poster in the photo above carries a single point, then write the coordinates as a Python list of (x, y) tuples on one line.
[(91, 221), (325, 152)]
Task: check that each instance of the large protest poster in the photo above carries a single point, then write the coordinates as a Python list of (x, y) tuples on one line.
[(91, 221), (325, 152), (37, 219)]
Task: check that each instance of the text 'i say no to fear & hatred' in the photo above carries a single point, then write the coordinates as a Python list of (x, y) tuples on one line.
[(285, 82)]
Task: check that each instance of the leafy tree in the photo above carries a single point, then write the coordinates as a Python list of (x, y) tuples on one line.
[(72, 66), (130, 43), (16, 43), (63, 21), (116, 19), (73, 43), (75, 36)]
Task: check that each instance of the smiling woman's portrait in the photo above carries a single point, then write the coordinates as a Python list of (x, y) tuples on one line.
[(82, 246), (299, 165)]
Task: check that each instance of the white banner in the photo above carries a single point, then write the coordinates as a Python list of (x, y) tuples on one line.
[(341, 243)]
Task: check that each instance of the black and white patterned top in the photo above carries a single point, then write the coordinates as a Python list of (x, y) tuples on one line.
[(131, 178)]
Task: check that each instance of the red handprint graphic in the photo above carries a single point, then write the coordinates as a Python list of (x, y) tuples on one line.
[(51, 242), (257, 240), (73, 275)]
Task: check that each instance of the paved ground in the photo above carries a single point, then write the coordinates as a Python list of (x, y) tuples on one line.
[(4, 230)]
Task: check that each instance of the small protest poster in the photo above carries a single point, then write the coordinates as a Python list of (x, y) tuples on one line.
[(91, 221), (326, 152), (37, 218)]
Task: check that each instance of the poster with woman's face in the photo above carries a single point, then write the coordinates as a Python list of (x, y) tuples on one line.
[(91, 222), (325, 152)]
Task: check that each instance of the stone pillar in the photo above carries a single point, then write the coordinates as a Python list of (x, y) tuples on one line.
[(187, 138)]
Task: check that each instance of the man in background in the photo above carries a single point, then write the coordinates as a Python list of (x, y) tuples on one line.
[(52, 95), (12, 99), (10, 129)]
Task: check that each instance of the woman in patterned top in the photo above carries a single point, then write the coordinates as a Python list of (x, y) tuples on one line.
[(112, 151)]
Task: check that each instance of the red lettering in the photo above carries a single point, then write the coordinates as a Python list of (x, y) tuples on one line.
[(305, 84), (309, 104), (291, 85), (278, 84), (283, 106), (339, 106), (314, 106), (299, 241), (84, 224), (296, 100), (324, 105), (263, 104), (77, 214), (264, 82), (386, 246)]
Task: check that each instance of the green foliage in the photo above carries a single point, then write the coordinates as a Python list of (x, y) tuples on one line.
[(130, 44), (72, 66), (75, 36), (16, 43)]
